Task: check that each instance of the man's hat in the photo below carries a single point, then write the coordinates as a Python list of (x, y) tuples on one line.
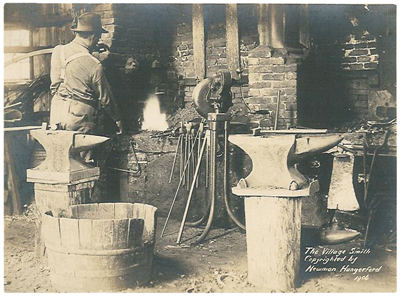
[(89, 22)]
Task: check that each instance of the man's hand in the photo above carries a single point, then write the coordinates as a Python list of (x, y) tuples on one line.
[(101, 52), (120, 128)]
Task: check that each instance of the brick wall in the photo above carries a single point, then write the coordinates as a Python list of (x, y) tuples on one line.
[(360, 52), (270, 72), (181, 60), (360, 69)]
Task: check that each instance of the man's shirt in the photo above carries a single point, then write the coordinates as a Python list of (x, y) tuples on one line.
[(84, 78)]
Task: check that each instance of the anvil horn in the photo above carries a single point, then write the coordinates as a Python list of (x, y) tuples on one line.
[(311, 145), (84, 142)]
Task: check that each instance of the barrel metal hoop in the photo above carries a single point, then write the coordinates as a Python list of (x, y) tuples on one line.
[(91, 252)]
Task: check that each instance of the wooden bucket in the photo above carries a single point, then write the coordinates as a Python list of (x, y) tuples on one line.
[(100, 247)]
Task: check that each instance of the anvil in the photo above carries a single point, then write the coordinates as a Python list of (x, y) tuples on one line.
[(275, 160), (63, 163)]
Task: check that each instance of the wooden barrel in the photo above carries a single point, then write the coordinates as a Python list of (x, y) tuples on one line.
[(100, 247)]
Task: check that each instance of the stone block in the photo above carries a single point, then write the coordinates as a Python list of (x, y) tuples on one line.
[(356, 67), (261, 69), (363, 59), (359, 52), (361, 45), (273, 76), (272, 61), (254, 77), (291, 67), (253, 61), (256, 100), (284, 84), (291, 76), (368, 66), (260, 52), (269, 92), (261, 84), (253, 92)]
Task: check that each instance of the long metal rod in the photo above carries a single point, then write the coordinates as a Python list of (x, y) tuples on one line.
[(213, 180), (278, 101), (207, 165), (175, 157), (176, 194), (181, 161), (191, 193)]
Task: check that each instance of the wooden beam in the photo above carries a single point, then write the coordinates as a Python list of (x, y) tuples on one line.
[(232, 39), (23, 49), (198, 41)]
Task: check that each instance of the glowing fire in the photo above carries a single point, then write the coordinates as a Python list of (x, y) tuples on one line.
[(153, 119)]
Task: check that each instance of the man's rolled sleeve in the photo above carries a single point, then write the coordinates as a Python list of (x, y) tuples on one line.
[(55, 73), (103, 89)]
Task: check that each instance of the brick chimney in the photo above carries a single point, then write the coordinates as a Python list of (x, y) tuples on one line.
[(272, 71)]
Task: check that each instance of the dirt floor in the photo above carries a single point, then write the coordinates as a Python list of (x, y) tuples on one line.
[(217, 265)]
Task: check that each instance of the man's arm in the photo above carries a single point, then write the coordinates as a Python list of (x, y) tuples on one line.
[(55, 70), (106, 99)]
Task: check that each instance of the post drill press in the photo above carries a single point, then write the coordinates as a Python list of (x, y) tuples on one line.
[(212, 98)]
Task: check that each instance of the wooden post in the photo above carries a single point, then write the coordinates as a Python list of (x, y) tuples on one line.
[(273, 260), (232, 39), (198, 41), (13, 182)]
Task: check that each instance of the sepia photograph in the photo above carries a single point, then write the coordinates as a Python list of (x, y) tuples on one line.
[(199, 147)]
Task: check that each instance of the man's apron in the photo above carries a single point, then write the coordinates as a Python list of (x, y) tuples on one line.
[(69, 112)]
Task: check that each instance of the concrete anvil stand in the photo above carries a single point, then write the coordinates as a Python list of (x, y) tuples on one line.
[(63, 179), (273, 192)]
